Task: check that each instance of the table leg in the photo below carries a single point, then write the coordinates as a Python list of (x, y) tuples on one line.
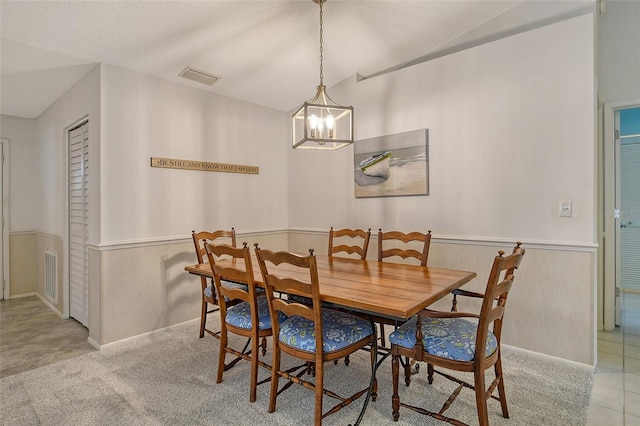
[(372, 393)]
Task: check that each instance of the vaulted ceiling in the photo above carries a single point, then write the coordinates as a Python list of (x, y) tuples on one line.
[(265, 51)]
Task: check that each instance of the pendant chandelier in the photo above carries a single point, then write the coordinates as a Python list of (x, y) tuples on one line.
[(321, 123)]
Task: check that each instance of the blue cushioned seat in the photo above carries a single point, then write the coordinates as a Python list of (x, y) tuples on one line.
[(340, 330), (450, 338), (229, 284), (240, 315)]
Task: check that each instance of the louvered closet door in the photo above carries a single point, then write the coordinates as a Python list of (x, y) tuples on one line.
[(630, 216), (78, 220)]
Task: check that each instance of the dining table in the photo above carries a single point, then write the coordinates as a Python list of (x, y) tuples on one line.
[(381, 289)]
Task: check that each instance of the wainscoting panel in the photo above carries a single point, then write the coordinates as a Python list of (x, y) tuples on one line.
[(550, 311), (24, 276), (27, 266), (144, 286), (145, 289), (551, 307)]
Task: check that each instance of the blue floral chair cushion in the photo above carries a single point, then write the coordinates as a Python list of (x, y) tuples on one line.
[(210, 289), (240, 315), (340, 330), (451, 338)]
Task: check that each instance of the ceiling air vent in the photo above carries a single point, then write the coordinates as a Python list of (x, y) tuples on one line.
[(199, 76)]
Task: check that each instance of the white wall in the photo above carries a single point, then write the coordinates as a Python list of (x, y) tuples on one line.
[(25, 173), (148, 213), (81, 101), (148, 117), (619, 52), (511, 134)]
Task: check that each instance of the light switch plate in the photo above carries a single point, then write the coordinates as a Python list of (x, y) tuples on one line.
[(566, 208)]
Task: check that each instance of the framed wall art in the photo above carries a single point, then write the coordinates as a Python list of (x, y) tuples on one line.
[(392, 165)]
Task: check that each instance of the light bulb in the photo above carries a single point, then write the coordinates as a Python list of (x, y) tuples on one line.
[(313, 124), (330, 123)]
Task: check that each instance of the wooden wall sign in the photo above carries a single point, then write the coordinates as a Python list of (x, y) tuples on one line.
[(172, 163)]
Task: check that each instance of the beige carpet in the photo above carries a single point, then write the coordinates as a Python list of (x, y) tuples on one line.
[(168, 378)]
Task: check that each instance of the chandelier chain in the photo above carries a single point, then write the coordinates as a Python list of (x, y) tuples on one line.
[(321, 74)]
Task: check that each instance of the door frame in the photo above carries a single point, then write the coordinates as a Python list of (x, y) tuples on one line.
[(5, 145), (610, 222)]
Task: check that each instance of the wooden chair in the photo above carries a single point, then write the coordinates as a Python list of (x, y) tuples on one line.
[(406, 251), (358, 243), (461, 292), (308, 328), (403, 247), (242, 312), (447, 340), (208, 290), (359, 239)]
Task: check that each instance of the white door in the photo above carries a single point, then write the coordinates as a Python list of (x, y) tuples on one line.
[(629, 199), (78, 223)]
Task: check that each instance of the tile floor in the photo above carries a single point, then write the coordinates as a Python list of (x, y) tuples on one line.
[(32, 336), (615, 397)]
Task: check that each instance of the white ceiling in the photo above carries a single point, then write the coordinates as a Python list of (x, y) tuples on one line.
[(265, 51)]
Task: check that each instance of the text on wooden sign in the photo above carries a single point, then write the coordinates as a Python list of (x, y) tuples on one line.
[(172, 163)]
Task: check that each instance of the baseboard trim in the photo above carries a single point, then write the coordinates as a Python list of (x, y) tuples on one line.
[(21, 295), (42, 299), (93, 343), (50, 306), (143, 336), (547, 357)]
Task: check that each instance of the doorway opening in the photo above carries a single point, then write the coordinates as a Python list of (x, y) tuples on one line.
[(628, 136), (619, 342), (621, 208)]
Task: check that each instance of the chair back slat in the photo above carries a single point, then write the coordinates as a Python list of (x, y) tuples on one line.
[(495, 314), (229, 273), (406, 251), (294, 309), (405, 254), (200, 237), (358, 242), (290, 285)]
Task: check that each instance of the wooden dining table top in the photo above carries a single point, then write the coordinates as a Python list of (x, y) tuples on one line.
[(389, 289)]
